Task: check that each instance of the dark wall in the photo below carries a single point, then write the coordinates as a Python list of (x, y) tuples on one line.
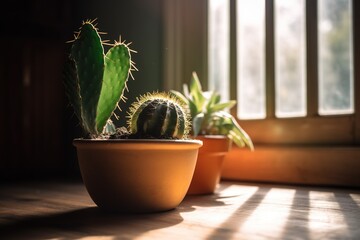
[(139, 22), (36, 124)]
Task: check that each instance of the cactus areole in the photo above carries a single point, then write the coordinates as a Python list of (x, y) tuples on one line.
[(95, 81)]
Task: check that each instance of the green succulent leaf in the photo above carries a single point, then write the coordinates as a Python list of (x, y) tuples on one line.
[(209, 115), (193, 108), (116, 73), (72, 88), (214, 99), (186, 91), (242, 134), (197, 123), (196, 92), (236, 139), (88, 54), (236, 130), (222, 106)]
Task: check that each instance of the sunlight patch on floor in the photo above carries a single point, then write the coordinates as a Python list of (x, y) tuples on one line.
[(221, 207), (325, 212), (356, 199), (268, 218)]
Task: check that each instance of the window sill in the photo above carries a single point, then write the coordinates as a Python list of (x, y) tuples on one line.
[(331, 166)]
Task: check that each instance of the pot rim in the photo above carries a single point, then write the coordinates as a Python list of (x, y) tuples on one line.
[(139, 141), (215, 136)]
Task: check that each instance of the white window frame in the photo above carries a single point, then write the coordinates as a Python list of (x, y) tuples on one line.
[(311, 150)]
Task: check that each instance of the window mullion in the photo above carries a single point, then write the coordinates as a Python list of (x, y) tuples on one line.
[(233, 51), (356, 64), (312, 58), (270, 59)]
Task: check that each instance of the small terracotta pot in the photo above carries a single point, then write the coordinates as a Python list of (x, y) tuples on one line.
[(209, 164), (137, 175)]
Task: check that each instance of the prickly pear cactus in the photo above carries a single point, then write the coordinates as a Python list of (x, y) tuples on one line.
[(158, 115), (95, 82)]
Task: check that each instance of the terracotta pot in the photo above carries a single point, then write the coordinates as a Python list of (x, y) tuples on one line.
[(137, 175), (209, 164)]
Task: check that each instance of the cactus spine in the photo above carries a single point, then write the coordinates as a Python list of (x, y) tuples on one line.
[(158, 115), (95, 82)]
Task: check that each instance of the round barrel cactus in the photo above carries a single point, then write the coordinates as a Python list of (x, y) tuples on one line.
[(158, 115)]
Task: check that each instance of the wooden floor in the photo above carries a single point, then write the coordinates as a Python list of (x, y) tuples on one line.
[(64, 210)]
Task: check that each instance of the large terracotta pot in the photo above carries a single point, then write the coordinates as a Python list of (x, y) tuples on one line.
[(137, 175), (209, 164)]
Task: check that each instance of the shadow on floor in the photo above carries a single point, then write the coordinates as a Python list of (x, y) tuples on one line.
[(89, 221)]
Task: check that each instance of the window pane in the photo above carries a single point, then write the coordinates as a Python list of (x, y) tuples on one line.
[(219, 44), (251, 59), (290, 48), (335, 58)]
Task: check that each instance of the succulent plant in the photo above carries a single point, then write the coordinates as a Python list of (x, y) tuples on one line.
[(95, 82), (158, 115), (209, 115)]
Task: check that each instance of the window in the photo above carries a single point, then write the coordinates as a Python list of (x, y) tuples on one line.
[(292, 67)]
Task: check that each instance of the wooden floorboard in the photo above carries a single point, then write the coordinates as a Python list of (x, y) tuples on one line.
[(64, 210)]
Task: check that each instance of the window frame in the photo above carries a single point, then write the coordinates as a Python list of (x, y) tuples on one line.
[(313, 128), (281, 154)]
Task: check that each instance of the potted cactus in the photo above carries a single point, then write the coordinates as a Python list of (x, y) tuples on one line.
[(217, 128), (144, 167)]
